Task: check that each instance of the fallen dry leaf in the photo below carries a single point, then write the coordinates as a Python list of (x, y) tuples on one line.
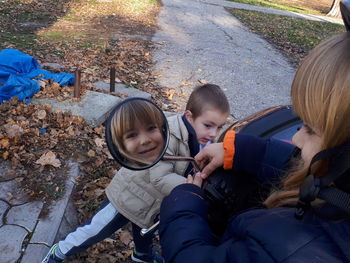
[(13, 130), (49, 158), (4, 143), (19, 179), (99, 142), (170, 94), (41, 114), (91, 153), (125, 237), (5, 155), (99, 130)]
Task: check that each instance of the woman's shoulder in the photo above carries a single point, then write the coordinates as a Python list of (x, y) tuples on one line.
[(284, 221), (285, 236)]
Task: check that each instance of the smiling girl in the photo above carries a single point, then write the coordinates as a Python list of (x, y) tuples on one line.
[(137, 132)]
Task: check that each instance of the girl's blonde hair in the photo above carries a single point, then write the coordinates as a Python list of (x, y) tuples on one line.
[(321, 97), (135, 112)]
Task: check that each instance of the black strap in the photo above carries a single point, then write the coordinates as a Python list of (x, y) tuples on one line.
[(339, 163), (313, 188), (336, 197)]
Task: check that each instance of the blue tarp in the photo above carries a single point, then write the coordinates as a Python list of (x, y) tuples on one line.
[(17, 74)]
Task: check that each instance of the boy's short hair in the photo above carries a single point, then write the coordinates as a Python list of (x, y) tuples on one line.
[(207, 97)]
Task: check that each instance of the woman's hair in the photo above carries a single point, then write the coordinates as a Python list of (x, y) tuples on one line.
[(321, 98), (129, 115), (207, 97)]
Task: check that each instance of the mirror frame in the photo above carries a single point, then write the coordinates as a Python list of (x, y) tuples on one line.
[(113, 149)]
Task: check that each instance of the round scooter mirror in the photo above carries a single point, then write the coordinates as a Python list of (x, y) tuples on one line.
[(137, 133)]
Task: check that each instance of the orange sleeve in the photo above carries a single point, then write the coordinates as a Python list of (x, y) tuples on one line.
[(229, 148)]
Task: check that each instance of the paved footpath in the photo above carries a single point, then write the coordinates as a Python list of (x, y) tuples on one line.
[(25, 233), (200, 41)]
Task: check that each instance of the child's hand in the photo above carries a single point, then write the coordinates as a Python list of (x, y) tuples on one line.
[(196, 179), (210, 158)]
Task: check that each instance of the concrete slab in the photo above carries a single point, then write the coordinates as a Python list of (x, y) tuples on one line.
[(11, 239), (94, 106), (55, 67), (9, 192), (122, 88), (3, 207), (6, 173), (25, 215), (34, 253)]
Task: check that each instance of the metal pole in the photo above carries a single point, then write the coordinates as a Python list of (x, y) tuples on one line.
[(145, 231), (112, 80), (77, 74)]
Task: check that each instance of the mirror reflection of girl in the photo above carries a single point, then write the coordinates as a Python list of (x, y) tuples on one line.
[(137, 132)]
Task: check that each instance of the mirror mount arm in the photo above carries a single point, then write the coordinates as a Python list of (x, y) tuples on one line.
[(181, 158), (145, 231)]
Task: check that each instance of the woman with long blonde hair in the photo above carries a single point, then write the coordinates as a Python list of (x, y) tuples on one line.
[(321, 98), (307, 214)]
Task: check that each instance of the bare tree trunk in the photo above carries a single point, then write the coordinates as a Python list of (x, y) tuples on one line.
[(335, 10)]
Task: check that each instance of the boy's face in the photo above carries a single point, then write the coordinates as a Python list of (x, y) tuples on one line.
[(207, 125)]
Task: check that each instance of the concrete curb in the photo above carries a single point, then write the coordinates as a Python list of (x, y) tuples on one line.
[(61, 220), (94, 106)]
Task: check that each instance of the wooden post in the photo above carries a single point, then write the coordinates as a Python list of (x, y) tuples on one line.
[(112, 80), (77, 74)]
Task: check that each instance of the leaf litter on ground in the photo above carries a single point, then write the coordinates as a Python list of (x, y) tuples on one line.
[(91, 36)]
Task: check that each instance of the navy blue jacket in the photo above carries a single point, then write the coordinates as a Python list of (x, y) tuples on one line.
[(257, 235)]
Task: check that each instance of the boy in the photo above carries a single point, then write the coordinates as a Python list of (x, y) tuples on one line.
[(136, 195)]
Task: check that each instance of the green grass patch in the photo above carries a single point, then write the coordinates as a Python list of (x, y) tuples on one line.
[(289, 34), (57, 35), (280, 5), (17, 40), (55, 190), (72, 15), (27, 16), (74, 39), (92, 206), (5, 11)]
